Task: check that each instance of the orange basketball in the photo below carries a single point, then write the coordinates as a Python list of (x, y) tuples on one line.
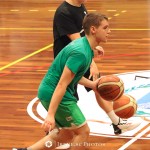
[(125, 106), (110, 87)]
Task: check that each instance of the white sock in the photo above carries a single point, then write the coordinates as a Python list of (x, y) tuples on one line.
[(114, 118)]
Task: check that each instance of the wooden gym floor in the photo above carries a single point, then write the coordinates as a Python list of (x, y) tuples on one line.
[(26, 52)]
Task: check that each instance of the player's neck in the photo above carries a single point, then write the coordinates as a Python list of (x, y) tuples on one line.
[(92, 42), (74, 3)]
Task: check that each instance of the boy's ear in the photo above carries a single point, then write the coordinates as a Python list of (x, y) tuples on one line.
[(93, 29)]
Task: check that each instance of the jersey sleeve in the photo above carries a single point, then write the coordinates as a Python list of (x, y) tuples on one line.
[(65, 23), (76, 62)]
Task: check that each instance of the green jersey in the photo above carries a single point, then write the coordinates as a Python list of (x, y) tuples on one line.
[(77, 56)]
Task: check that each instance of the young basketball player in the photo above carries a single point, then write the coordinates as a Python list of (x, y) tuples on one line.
[(67, 26), (56, 91)]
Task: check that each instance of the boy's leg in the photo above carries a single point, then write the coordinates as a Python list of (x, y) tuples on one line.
[(70, 116), (65, 136), (80, 138), (54, 139), (119, 125), (46, 143)]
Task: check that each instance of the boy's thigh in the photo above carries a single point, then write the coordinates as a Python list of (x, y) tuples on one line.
[(69, 116)]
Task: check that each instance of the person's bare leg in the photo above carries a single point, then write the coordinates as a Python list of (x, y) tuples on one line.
[(107, 106), (53, 140), (46, 143), (65, 137), (80, 138), (119, 125)]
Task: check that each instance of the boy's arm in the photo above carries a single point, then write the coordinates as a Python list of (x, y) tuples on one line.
[(60, 90), (58, 94), (88, 83)]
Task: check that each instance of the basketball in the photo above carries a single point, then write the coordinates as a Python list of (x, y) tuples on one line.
[(110, 87), (125, 106)]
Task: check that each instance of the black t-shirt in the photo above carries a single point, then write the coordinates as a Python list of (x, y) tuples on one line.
[(67, 20)]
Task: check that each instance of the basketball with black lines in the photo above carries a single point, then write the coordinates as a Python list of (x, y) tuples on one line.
[(110, 87), (125, 106)]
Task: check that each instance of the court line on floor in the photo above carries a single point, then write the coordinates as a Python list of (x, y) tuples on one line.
[(25, 57), (28, 29), (96, 58), (30, 112), (134, 139)]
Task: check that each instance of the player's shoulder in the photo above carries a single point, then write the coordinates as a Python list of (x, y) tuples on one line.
[(78, 41), (63, 8)]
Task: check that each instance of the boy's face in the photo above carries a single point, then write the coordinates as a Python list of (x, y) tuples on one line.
[(102, 32)]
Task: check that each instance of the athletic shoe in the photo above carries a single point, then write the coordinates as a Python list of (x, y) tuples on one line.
[(116, 129), (19, 149), (126, 125)]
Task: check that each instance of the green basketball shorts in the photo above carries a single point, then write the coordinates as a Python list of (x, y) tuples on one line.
[(68, 116)]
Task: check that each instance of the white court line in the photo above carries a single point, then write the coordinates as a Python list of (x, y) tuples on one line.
[(134, 139), (30, 112)]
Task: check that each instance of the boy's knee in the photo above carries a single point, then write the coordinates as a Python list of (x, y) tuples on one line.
[(87, 130), (83, 131)]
